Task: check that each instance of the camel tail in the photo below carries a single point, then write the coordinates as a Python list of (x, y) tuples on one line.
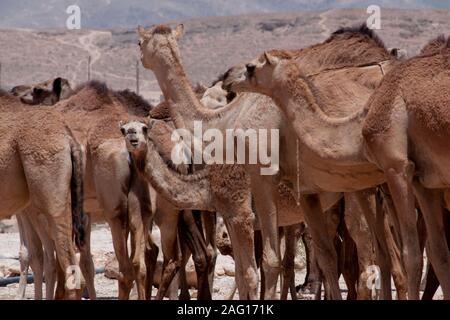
[(77, 192)]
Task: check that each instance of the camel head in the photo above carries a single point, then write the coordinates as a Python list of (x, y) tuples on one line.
[(215, 97), (45, 93), (135, 133), (258, 75), (158, 42)]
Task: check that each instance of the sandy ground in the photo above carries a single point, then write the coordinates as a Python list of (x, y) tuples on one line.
[(101, 249), (107, 288)]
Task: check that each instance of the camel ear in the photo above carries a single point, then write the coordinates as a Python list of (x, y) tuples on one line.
[(398, 53), (57, 86), (271, 59), (122, 129), (141, 31), (179, 31)]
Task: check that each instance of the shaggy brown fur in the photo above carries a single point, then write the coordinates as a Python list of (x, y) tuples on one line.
[(416, 79), (347, 47), (162, 29), (161, 111), (437, 45)]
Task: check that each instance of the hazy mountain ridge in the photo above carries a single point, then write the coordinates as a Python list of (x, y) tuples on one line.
[(209, 47), (118, 13)]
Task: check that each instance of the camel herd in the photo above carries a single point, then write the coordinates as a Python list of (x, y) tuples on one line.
[(361, 174)]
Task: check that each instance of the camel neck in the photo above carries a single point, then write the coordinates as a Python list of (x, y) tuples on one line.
[(177, 90), (185, 107), (328, 138)]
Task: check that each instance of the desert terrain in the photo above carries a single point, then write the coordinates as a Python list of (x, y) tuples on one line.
[(208, 48)]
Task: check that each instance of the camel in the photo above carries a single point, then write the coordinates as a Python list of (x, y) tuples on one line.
[(147, 161), (44, 93), (160, 53), (37, 248), (336, 164), (47, 172), (123, 198), (238, 201), (131, 197), (169, 219), (405, 135)]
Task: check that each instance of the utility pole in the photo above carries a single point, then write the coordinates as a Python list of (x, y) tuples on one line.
[(89, 68), (137, 76)]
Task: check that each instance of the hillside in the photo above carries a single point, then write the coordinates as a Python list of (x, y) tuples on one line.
[(209, 47)]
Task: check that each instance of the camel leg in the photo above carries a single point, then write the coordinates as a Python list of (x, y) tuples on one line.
[(119, 234), (313, 278), (194, 238), (62, 228), (431, 204), (258, 259), (167, 218), (36, 252), (393, 239), (323, 245), (238, 219), (349, 264), (399, 178), (53, 201), (151, 256), (184, 287), (23, 258), (60, 281), (209, 221), (360, 233), (266, 210), (86, 263), (288, 263), (375, 220), (139, 217), (40, 225), (398, 269), (431, 285), (432, 282)]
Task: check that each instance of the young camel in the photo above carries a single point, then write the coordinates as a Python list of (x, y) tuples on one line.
[(406, 135), (46, 171), (336, 164), (175, 223), (160, 54)]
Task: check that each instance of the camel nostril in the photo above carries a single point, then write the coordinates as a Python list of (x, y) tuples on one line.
[(225, 235)]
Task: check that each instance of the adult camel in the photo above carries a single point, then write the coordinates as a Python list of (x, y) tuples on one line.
[(37, 247), (332, 146), (41, 164), (406, 135), (160, 54)]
